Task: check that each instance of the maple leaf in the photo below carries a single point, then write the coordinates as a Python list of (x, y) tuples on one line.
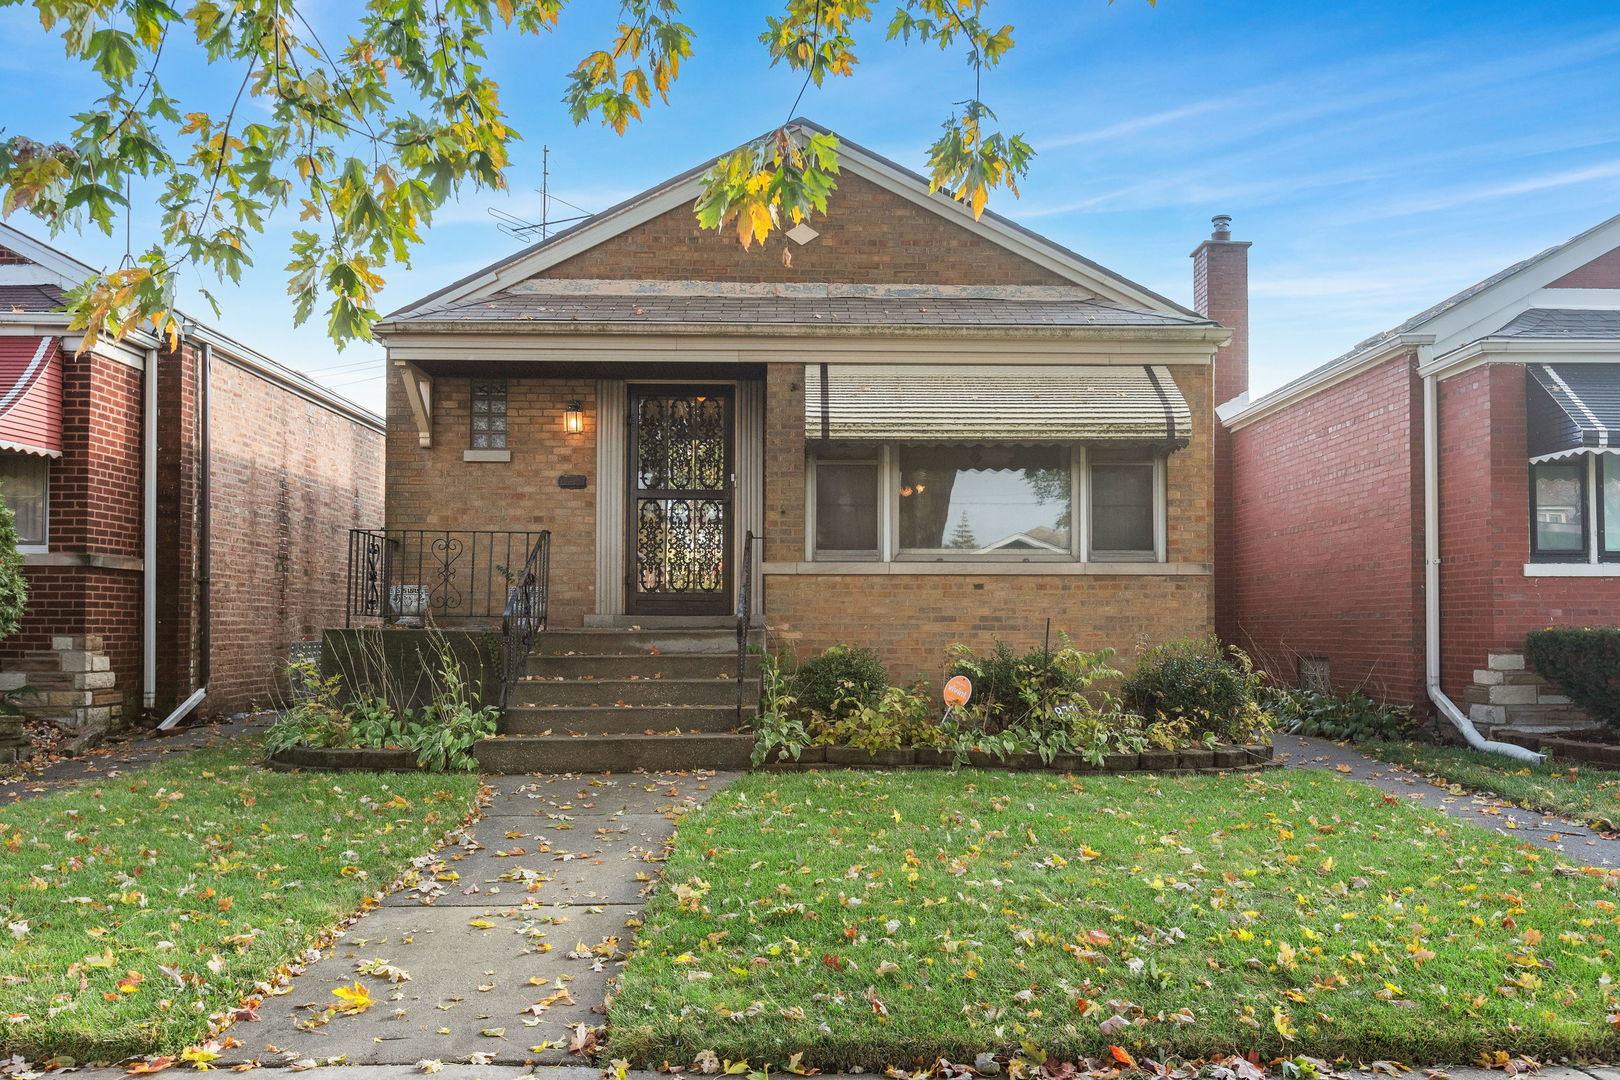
[(150, 1065), (355, 999)]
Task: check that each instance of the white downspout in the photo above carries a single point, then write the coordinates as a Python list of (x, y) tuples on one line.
[(149, 389), (1431, 576)]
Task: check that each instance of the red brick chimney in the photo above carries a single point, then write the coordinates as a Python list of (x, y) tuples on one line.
[(1221, 292)]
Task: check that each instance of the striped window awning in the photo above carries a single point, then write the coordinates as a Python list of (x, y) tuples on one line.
[(995, 403), (31, 395), (1572, 409)]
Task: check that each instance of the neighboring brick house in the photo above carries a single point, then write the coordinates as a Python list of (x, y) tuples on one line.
[(1513, 389), (137, 603), (942, 429)]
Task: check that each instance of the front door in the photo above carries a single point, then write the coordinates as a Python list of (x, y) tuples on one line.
[(681, 481)]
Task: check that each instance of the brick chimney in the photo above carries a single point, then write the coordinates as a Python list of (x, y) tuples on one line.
[(1221, 292)]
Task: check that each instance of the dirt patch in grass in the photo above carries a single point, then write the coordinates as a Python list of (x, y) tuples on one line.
[(874, 920), (132, 908)]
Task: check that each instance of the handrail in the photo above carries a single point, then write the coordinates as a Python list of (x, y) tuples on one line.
[(432, 576), (745, 603), (525, 613)]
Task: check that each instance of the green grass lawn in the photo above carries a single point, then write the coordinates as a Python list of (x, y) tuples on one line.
[(1565, 788), (132, 908), (882, 920)]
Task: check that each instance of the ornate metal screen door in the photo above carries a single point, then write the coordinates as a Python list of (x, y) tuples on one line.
[(681, 480)]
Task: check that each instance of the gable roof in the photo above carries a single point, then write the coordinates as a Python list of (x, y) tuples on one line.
[(854, 158), (1471, 314), (49, 271)]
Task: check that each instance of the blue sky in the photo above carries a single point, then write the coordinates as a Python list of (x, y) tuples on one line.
[(1379, 154)]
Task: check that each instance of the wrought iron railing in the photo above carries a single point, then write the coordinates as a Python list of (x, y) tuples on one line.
[(525, 614), (745, 615), (434, 576)]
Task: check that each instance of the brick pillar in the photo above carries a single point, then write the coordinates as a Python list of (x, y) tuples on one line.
[(177, 538), (1221, 292)]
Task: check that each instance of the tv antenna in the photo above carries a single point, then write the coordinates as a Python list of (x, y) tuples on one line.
[(531, 231)]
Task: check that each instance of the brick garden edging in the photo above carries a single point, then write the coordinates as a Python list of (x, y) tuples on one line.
[(1601, 755), (1220, 760), (341, 759)]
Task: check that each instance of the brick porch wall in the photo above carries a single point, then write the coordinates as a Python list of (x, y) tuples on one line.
[(434, 488), (910, 619), (1327, 515)]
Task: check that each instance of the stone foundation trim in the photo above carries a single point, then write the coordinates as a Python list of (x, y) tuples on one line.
[(988, 568)]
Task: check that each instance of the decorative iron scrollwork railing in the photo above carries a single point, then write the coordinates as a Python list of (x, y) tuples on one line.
[(525, 614), (745, 615), (434, 576)]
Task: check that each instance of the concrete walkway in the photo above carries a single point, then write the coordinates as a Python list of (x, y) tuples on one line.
[(1576, 841), (509, 939)]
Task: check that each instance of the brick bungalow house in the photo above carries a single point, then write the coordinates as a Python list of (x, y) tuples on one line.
[(1402, 515), (939, 429), (183, 512)]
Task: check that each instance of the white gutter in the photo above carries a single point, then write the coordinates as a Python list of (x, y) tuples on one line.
[(149, 422), (1431, 578)]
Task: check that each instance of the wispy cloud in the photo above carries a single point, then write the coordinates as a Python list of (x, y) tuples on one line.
[(1454, 197), (1135, 125)]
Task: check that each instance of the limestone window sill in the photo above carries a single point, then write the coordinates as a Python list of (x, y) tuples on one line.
[(992, 569), (1571, 569)]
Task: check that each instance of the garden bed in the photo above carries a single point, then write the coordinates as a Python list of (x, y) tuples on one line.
[(890, 920), (342, 759), (1218, 759)]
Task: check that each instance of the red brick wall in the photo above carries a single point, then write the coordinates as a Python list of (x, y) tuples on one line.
[(1327, 516), (95, 506), (11, 258), (1602, 272), (869, 236), (1221, 292), (289, 479), (1487, 602)]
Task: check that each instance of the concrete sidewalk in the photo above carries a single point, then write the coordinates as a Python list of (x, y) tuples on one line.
[(1572, 839), (508, 940)]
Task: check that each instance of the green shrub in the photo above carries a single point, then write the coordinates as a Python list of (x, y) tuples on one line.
[(1352, 717), (1197, 684), (900, 716), (839, 679), (441, 734), (778, 727), (1583, 663)]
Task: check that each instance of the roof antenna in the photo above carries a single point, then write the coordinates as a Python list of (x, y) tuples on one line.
[(128, 260), (538, 231)]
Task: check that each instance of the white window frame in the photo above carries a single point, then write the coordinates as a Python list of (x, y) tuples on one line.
[(1594, 563), (44, 546), (888, 461)]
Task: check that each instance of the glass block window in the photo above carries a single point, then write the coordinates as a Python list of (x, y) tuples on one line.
[(489, 414)]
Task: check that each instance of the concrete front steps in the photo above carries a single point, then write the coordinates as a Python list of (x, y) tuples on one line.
[(610, 700)]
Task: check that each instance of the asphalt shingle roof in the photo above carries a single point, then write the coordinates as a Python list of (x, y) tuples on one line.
[(30, 298), (801, 310), (1563, 323)]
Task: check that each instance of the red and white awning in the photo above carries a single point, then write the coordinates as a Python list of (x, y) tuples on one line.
[(31, 395)]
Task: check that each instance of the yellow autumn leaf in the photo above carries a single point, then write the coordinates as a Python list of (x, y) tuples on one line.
[(354, 998)]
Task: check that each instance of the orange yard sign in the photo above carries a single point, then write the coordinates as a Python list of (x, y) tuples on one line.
[(958, 690)]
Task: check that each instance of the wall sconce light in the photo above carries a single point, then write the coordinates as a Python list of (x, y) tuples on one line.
[(574, 418)]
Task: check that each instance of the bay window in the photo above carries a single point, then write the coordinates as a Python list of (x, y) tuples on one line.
[(1006, 502)]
